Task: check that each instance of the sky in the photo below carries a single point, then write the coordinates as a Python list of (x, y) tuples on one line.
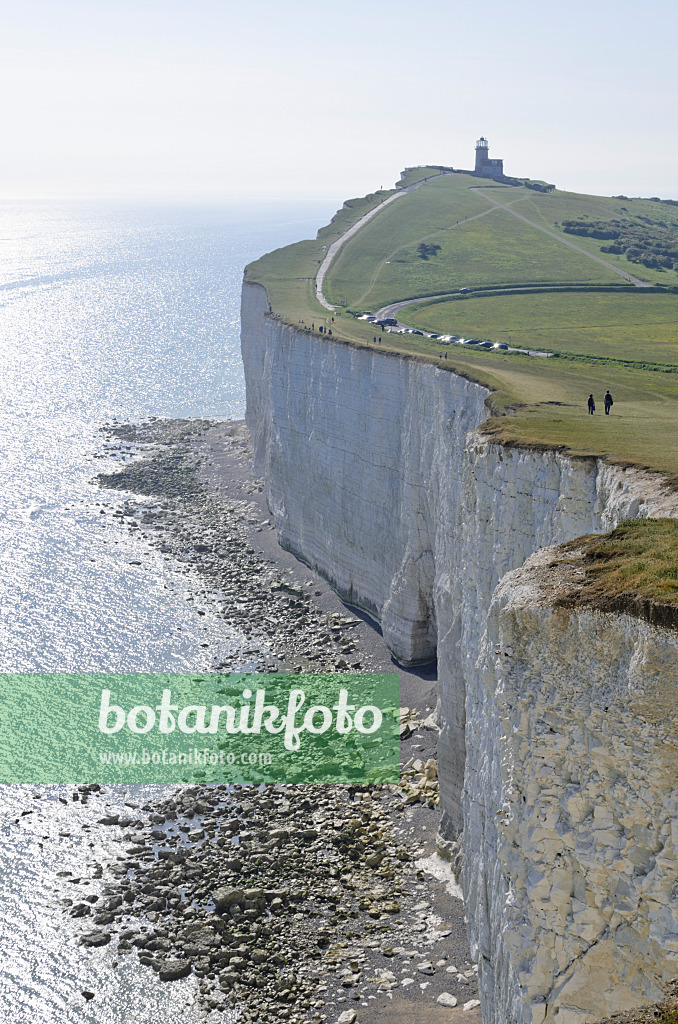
[(201, 100)]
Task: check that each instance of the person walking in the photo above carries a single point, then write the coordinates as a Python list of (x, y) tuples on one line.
[(608, 402), (592, 405)]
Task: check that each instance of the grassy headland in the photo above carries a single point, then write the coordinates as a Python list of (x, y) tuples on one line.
[(606, 333)]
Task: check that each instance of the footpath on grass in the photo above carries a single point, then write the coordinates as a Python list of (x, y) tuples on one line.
[(334, 248)]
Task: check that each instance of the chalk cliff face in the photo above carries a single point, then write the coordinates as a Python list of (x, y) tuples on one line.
[(377, 476), (570, 804), (358, 450), (513, 502)]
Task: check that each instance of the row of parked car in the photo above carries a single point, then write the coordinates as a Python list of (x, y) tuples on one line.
[(452, 339), (393, 327)]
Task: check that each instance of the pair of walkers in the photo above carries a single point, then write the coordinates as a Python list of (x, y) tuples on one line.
[(607, 401)]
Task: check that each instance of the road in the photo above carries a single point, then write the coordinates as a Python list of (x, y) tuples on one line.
[(334, 248)]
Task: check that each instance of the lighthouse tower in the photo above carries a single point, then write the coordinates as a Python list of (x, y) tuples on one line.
[(488, 168), (482, 154)]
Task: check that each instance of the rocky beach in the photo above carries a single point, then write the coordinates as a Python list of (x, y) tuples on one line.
[(290, 903)]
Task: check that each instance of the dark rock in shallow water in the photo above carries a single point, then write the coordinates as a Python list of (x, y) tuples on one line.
[(98, 938), (81, 910), (174, 969)]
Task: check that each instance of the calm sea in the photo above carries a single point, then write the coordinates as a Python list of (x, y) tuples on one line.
[(104, 313)]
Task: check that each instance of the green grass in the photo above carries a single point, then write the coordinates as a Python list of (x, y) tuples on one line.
[(289, 278), (551, 209), (639, 557), (413, 174), (633, 569), (637, 325), (549, 399), (487, 246)]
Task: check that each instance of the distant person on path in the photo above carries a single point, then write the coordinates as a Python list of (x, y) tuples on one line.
[(608, 402), (592, 405)]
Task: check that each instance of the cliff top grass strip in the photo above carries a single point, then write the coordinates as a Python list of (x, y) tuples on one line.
[(633, 569), (411, 175)]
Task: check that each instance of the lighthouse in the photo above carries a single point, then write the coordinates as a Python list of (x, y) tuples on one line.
[(482, 154), (484, 166)]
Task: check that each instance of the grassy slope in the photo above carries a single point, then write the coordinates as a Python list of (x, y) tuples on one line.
[(552, 208), (487, 247), (640, 555)]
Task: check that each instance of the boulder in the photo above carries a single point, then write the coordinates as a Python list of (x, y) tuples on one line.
[(172, 970)]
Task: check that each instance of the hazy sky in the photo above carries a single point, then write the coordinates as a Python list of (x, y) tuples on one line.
[(215, 99)]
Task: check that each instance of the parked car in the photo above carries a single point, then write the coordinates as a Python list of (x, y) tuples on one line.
[(485, 344), (471, 341), (464, 290), (501, 345), (420, 333)]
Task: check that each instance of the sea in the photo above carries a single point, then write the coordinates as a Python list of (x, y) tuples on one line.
[(114, 312)]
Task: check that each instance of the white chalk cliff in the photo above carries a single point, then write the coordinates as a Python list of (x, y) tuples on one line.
[(556, 774)]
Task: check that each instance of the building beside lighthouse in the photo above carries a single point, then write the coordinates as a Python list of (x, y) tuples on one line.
[(484, 166)]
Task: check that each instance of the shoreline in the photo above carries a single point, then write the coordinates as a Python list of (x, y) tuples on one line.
[(210, 517)]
